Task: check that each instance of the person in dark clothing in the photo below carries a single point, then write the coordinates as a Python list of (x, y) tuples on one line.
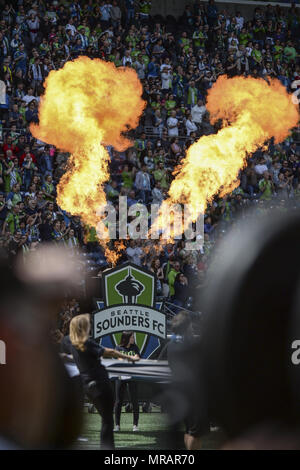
[(64, 348), (184, 404), (65, 345), (231, 66), (87, 353), (15, 246), (78, 229), (127, 346), (190, 271), (181, 290), (46, 228)]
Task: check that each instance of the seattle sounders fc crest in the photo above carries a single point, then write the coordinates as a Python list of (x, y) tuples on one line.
[(129, 304)]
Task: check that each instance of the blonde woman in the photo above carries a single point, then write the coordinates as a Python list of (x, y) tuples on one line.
[(87, 353)]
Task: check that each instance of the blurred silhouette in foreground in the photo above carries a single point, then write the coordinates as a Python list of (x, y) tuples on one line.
[(185, 400), (252, 311), (38, 405), (180, 351), (243, 371)]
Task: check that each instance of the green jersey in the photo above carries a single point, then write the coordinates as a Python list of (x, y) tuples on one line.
[(13, 222), (127, 179), (171, 279), (265, 187), (290, 53)]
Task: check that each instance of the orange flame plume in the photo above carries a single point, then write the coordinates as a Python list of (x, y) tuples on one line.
[(253, 111), (88, 104)]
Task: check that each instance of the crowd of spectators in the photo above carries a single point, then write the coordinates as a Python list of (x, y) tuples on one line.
[(177, 62)]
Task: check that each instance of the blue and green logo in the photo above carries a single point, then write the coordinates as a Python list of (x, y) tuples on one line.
[(130, 304)]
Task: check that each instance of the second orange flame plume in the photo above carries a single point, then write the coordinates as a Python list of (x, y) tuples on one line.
[(255, 111)]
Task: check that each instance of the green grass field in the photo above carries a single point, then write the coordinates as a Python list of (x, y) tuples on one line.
[(151, 434)]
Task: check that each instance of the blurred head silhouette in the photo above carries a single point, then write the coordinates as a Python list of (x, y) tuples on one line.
[(252, 319), (37, 407)]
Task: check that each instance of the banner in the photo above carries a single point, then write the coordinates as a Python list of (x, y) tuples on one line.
[(129, 317)]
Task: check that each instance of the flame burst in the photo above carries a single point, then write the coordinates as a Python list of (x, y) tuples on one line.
[(88, 104), (252, 111)]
